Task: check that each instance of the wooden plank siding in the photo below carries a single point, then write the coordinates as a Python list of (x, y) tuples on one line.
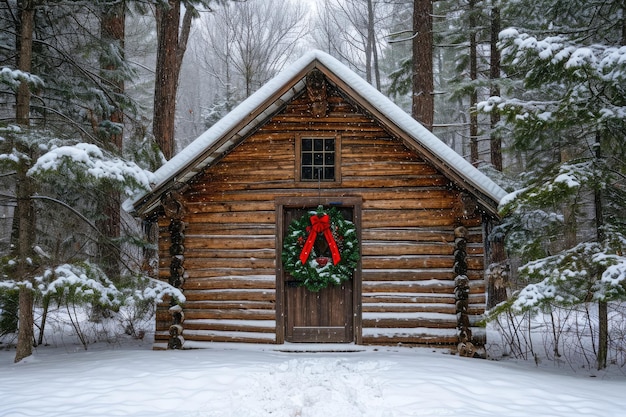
[(409, 213)]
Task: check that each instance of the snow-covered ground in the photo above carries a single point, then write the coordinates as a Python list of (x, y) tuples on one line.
[(130, 379)]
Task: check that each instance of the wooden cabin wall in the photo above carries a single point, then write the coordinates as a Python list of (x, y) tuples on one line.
[(409, 214)]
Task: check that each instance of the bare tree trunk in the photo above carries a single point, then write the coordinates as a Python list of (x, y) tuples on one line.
[(164, 84), (376, 66), (373, 72), (113, 32), (112, 29), (623, 22), (23, 273), (423, 103), (495, 139), (25, 212), (371, 35), (570, 221), (44, 318), (27, 21), (473, 116), (25, 334), (498, 279), (603, 333), (25, 224), (603, 315), (369, 44), (171, 49)]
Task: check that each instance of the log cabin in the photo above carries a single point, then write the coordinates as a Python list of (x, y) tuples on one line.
[(318, 137)]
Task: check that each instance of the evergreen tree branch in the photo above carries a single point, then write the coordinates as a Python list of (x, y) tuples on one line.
[(87, 222)]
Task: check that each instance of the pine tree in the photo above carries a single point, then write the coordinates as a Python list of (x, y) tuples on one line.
[(55, 153), (566, 222)]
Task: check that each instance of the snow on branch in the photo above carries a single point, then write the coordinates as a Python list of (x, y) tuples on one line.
[(14, 77), (88, 161), (13, 157), (607, 62), (84, 281), (155, 290), (615, 275), (570, 277), (566, 179)]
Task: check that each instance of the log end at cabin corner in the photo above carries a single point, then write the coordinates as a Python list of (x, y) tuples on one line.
[(315, 136)]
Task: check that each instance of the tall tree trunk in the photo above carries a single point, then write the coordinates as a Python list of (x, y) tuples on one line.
[(112, 29), (25, 333), (570, 221), (369, 44), (372, 36), (376, 66), (171, 49), (603, 333), (623, 22), (495, 140), (603, 315), (24, 188), (423, 103), (499, 272), (25, 55), (473, 116), (373, 71), (164, 83), (113, 32)]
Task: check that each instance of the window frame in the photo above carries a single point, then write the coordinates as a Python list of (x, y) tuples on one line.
[(298, 165)]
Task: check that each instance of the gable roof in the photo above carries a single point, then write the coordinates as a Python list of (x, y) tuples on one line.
[(273, 96)]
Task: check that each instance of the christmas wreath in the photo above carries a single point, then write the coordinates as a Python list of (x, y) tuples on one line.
[(321, 248)]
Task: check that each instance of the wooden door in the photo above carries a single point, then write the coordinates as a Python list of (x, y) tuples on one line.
[(324, 316)]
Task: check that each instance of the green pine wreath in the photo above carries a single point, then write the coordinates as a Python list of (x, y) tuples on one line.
[(319, 271)]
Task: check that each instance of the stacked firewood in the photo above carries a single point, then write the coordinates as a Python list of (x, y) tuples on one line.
[(174, 209), (461, 293)]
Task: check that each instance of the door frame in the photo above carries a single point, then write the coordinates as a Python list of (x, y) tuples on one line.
[(283, 203)]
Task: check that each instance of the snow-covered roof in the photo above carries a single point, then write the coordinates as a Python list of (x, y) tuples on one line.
[(270, 98)]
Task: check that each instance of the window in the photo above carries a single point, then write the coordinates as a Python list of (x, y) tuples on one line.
[(318, 159)]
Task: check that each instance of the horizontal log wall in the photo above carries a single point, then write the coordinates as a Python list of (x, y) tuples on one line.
[(409, 214)]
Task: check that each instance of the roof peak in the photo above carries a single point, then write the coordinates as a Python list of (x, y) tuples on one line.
[(270, 97)]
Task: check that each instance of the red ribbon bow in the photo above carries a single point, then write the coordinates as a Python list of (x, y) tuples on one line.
[(320, 224)]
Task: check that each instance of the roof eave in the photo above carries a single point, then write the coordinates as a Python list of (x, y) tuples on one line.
[(488, 200), (148, 203), (268, 100)]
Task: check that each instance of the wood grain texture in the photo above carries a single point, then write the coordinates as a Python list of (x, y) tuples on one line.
[(409, 213)]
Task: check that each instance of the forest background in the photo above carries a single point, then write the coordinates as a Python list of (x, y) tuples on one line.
[(95, 95)]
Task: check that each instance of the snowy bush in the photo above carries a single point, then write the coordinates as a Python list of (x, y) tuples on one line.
[(558, 335)]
